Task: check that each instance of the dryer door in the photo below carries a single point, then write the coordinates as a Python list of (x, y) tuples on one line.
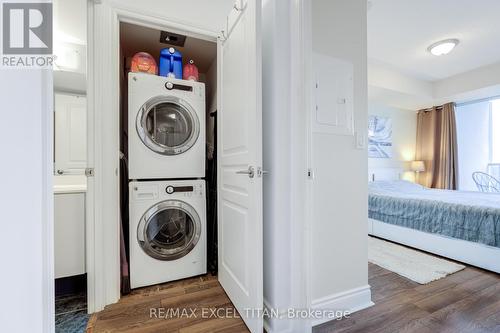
[(169, 230), (168, 125)]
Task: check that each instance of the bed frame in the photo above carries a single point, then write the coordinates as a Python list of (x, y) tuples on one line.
[(475, 254)]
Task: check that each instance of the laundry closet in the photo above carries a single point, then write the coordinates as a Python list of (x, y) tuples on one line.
[(168, 115), (190, 192)]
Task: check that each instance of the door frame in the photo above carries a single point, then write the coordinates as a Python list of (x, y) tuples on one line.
[(102, 239), (103, 93), (301, 81)]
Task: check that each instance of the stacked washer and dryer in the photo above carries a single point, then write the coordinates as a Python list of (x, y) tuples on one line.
[(167, 202)]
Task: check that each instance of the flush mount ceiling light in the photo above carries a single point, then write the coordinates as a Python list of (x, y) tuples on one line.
[(443, 47)]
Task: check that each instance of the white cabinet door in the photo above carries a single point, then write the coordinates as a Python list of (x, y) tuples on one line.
[(239, 142), (70, 134), (69, 234)]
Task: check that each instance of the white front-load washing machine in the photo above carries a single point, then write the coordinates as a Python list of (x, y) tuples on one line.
[(166, 127), (167, 231)]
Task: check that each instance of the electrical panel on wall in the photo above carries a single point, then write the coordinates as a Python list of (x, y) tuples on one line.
[(333, 96)]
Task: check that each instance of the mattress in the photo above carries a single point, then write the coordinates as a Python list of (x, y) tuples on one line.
[(470, 216)]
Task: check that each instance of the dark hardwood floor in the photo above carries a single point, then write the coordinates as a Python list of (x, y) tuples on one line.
[(145, 310), (467, 301)]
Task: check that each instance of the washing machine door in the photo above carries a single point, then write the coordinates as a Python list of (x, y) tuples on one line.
[(169, 230), (168, 125)]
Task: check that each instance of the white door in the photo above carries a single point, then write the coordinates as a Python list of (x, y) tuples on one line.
[(239, 141), (70, 134)]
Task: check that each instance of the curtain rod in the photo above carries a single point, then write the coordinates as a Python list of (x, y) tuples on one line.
[(474, 101), (440, 107)]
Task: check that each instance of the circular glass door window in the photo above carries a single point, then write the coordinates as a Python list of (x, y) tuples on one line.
[(169, 230), (168, 125)]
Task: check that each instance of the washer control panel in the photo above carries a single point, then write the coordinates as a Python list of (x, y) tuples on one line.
[(145, 191), (173, 189)]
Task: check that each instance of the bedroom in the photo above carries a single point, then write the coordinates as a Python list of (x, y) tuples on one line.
[(433, 143)]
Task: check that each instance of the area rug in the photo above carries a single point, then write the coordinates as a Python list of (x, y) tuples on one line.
[(412, 264)]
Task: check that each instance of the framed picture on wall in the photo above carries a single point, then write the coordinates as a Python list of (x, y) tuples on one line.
[(379, 137)]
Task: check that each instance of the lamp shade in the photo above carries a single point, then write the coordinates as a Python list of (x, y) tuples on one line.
[(417, 166)]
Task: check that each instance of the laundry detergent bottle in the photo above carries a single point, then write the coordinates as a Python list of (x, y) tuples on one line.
[(191, 71), (171, 63)]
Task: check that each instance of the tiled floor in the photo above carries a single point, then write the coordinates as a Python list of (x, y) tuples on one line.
[(71, 313)]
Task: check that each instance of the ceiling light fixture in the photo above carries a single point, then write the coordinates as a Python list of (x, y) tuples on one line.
[(443, 47)]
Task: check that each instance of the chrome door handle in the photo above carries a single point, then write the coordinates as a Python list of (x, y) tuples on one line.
[(250, 172), (261, 172)]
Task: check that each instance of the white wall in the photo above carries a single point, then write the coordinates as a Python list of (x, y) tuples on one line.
[(70, 20), (393, 88), (276, 123), (202, 14), (339, 210), (404, 134), (70, 31), (382, 76), (458, 85), (27, 279), (473, 136)]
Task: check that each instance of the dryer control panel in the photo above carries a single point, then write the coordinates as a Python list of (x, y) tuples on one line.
[(186, 190)]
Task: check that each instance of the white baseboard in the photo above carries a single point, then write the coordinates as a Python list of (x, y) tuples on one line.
[(267, 327), (352, 300), (276, 325)]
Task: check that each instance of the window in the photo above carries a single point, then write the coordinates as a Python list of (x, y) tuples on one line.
[(494, 163), (478, 139), (495, 131)]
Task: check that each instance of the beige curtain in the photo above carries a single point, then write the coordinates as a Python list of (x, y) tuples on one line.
[(437, 147)]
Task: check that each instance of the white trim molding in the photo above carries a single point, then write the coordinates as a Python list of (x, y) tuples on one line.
[(352, 300), (300, 243), (279, 323), (103, 246), (47, 176)]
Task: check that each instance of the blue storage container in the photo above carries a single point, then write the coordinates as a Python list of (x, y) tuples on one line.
[(170, 63)]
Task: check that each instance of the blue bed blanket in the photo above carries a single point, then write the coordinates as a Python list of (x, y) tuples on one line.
[(471, 216)]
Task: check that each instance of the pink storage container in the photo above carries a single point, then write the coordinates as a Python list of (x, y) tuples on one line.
[(190, 72), (144, 62)]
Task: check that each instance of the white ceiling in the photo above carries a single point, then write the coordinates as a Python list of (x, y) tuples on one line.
[(399, 32), (134, 38)]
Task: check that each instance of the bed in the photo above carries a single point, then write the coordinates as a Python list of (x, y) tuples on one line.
[(464, 226)]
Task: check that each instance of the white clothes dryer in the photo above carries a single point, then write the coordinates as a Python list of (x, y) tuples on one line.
[(166, 127)]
